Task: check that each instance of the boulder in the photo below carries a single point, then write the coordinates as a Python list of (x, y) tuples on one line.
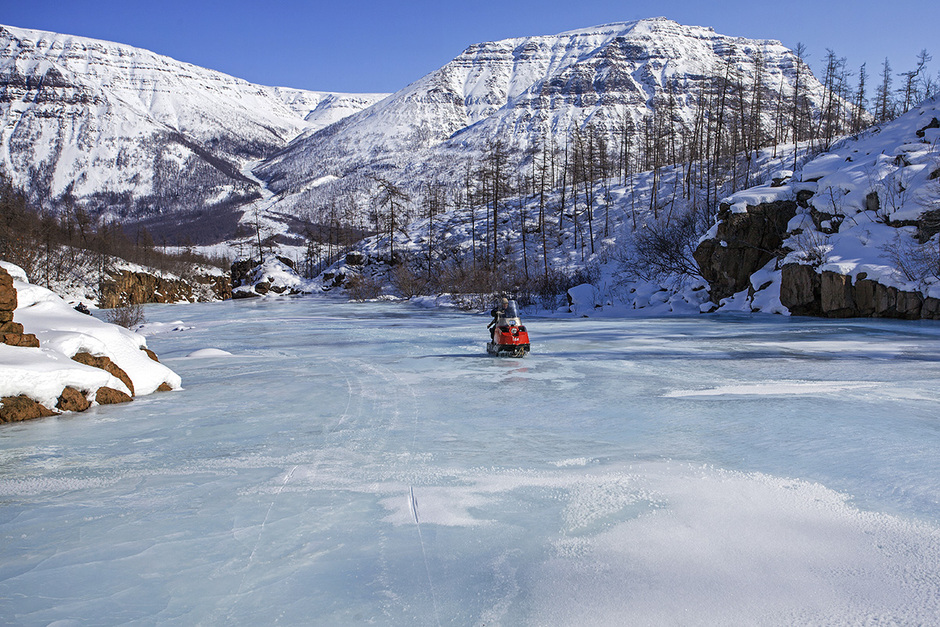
[(110, 396), (72, 400), (22, 407)]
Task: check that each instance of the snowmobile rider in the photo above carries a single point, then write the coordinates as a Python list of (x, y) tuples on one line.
[(497, 313)]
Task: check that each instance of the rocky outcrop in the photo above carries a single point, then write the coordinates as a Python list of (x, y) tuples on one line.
[(110, 396), (220, 285), (743, 244), (11, 332), (800, 288), (21, 406), (125, 287), (806, 292), (72, 400)]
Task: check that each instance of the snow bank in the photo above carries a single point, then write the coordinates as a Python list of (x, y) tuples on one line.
[(42, 373)]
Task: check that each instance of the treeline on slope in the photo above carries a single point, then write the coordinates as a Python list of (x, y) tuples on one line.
[(176, 188), (50, 246), (692, 166)]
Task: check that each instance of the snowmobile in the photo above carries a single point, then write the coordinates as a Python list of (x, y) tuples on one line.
[(509, 336)]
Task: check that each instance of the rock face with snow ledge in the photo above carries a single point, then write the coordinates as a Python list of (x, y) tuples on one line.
[(131, 133), (854, 234), (72, 361)]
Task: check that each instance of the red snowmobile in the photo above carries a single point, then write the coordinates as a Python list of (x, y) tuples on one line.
[(508, 336)]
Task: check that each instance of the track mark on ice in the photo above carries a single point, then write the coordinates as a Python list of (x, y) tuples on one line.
[(350, 394), (413, 505)]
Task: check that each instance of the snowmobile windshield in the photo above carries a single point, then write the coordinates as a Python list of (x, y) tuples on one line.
[(511, 310)]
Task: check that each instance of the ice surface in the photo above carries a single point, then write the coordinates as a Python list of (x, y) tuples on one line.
[(369, 463)]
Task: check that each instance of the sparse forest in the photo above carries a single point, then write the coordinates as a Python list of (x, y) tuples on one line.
[(51, 247)]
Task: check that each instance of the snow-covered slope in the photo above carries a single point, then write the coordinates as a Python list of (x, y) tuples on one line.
[(521, 89), (129, 131), (867, 212)]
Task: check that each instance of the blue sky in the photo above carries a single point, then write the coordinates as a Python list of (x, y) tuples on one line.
[(382, 46)]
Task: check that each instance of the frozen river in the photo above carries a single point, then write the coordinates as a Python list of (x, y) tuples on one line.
[(368, 463)]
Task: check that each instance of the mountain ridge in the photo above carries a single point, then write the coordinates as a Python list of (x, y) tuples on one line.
[(519, 88), (94, 119), (129, 134)]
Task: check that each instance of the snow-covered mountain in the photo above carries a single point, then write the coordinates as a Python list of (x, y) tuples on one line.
[(132, 133), (522, 89), (140, 136)]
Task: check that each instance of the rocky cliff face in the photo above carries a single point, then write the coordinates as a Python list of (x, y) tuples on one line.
[(742, 244), (127, 287), (853, 234), (806, 292)]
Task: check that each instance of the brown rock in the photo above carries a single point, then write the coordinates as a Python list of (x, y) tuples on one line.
[(106, 364), (743, 244), (152, 355), (11, 327), (836, 295), (110, 396), (26, 340), (72, 400), (7, 292), (800, 290), (16, 408), (164, 387), (138, 288), (11, 333)]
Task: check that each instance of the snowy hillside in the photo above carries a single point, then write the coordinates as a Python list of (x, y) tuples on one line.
[(128, 132)]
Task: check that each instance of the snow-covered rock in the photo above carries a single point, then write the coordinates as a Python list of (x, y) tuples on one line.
[(43, 373), (274, 276)]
